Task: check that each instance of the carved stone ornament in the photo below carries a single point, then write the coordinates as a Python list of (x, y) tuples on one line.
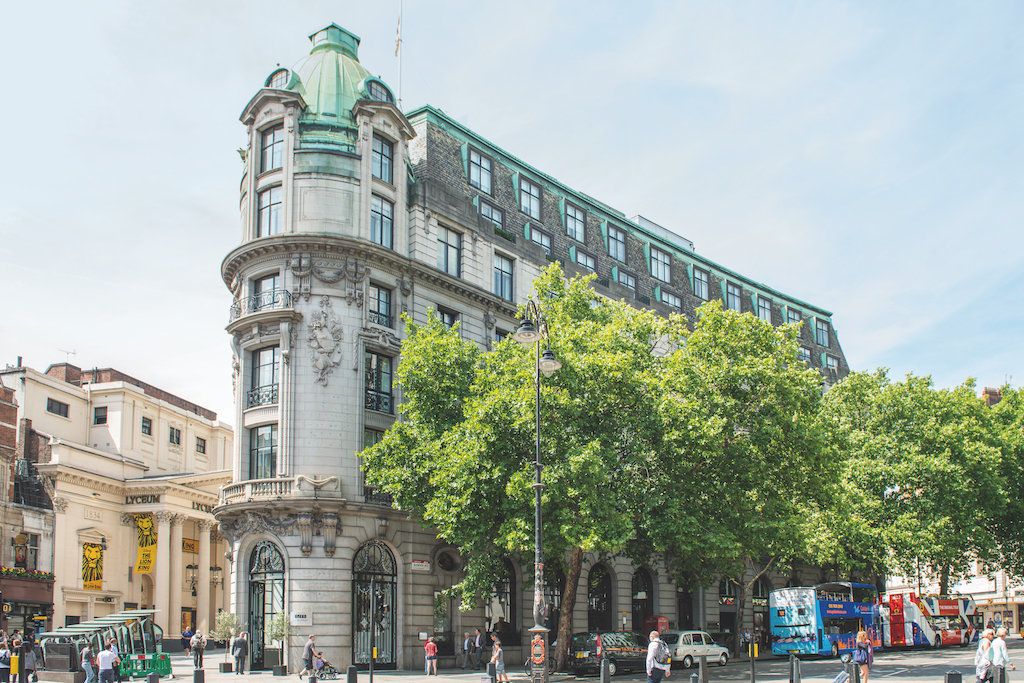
[(489, 320), (354, 296), (382, 340), (254, 522), (325, 338), (205, 526), (163, 517), (405, 284), (60, 505), (330, 521), (305, 523), (327, 271), (286, 342), (127, 519)]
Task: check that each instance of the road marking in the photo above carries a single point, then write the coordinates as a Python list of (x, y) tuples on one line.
[(897, 671)]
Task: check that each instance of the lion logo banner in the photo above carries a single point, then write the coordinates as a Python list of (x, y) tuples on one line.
[(147, 543), (92, 566)]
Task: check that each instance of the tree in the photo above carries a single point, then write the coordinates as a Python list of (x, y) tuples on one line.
[(462, 457), (744, 473), (922, 476), (1008, 425), (227, 627)]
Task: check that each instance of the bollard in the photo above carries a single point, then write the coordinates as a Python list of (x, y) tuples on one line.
[(753, 658), (606, 675), (198, 676), (353, 674), (492, 671), (794, 669), (703, 669), (999, 674), (153, 678), (694, 678), (953, 676), (312, 678)]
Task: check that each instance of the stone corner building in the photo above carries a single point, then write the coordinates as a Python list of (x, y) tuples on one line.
[(353, 213)]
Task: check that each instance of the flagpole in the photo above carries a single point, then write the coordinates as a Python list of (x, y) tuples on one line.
[(398, 53)]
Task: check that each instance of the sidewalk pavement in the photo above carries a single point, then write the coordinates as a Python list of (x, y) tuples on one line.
[(181, 665)]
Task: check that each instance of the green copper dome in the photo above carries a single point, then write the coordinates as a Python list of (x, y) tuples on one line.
[(331, 79)]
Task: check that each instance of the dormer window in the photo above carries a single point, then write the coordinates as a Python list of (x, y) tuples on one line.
[(379, 92), (278, 80)]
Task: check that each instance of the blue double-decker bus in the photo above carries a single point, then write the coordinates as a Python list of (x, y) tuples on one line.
[(824, 619)]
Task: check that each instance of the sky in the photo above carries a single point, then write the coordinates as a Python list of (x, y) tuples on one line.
[(867, 157)]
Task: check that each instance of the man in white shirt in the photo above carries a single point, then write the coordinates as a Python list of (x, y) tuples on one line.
[(106, 660), (999, 656), (657, 650)]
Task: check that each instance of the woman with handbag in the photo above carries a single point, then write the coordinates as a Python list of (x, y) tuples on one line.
[(864, 655)]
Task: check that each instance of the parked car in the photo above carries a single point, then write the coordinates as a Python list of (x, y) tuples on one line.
[(687, 646), (625, 651)]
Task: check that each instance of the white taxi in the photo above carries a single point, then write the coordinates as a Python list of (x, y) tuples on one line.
[(688, 646)]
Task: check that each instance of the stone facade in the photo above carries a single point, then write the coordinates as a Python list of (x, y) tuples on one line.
[(349, 219), (99, 449)]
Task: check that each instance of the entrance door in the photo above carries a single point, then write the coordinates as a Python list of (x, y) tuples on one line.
[(373, 602), (266, 599)]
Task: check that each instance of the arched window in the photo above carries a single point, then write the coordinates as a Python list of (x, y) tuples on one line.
[(759, 601), (501, 609), (643, 599), (554, 587), (266, 598), (599, 599), (374, 574)]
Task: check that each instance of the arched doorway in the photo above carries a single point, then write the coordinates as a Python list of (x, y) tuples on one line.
[(266, 599), (759, 602), (727, 606), (643, 599), (599, 599), (374, 573), (554, 586), (502, 610)]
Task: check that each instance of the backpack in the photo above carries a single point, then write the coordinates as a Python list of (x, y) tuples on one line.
[(661, 653)]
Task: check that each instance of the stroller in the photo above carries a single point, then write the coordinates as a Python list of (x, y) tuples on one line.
[(324, 669)]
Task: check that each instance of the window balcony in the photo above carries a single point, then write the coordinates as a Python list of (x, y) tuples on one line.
[(380, 401), (275, 299), (261, 396), (375, 497), (379, 318)]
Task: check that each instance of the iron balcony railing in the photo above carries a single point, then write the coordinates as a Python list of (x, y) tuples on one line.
[(264, 301), (261, 396), (375, 497), (379, 318), (380, 401)]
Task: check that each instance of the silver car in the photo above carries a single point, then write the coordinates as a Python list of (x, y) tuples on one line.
[(688, 646)]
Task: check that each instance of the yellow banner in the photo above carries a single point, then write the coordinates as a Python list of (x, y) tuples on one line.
[(92, 566), (188, 545), (147, 543)]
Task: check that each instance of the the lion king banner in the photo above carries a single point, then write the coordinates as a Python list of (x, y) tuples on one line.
[(147, 543), (92, 566)]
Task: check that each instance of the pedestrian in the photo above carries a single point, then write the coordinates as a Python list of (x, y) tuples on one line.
[(498, 659), (198, 646), (982, 658), (240, 649), (478, 648), (308, 652), (1000, 657), (30, 661), (88, 664), (467, 649), (117, 655), (658, 655), (5, 662), (864, 655), (106, 660), (430, 649), (186, 639)]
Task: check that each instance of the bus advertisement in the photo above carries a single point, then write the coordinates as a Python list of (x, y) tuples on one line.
[(824, 619), (935, 620)]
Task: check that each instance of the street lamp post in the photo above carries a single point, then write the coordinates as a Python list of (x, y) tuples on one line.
[(532, 329)]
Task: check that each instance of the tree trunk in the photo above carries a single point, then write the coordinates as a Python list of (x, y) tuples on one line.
[(572, 582), (741, 601), (944, 580)]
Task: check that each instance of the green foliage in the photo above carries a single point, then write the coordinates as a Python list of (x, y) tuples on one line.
[(921, 478), (1008, 424), (227, 626), (279, 627)]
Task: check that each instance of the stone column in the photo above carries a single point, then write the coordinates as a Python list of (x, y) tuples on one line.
[(174, 618), (203, 616), (162, 599), (60, 561)]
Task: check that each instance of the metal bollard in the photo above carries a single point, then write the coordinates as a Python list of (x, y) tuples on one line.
[(153, 678), (794, 669), (353, 674), (694, 678), (492, 671), (753, 658), (999, 674), (198, 676), (312, 678), (953, 676), (606, 675), (703, 669)]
